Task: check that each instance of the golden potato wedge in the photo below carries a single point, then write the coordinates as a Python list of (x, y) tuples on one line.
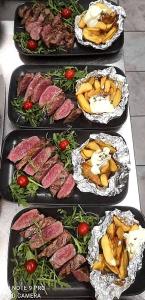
[(86, 170), (109, 26), (82, 23), (83, 155), (113, 245), (89, 36), (101, 25), (107, 251), (114, 270), (134, 227), (103, 79), (109, 34), (105, 168), (119, 252), (86, 96), (103, 145), (111, 230), (84, 104), (104, 180), (93, 146), (113, 166), (120, 233), (107, 86), (97, 85), (91, 93), (100, 263), (101, 5), (123, 265), (119, 223), (84, 87), (93, 30), (87, 152), (89, 162), (91, 80), (117, 98)]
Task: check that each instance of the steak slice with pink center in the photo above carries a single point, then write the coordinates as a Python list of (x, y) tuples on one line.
[(75, 113), (46, 167), (48, 234), (67, 187), (82, 274), (64, 110), (39, 160), (61, 256), (40, 88), (26, 219), (55, 187), (43, 222), (52, 175), (23, 83), (36, 31), (21, 150), (32, 85), (48, 95), (72, 265), (58, 243), (54, 103)]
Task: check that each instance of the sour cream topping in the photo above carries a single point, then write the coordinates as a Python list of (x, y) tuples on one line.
[(93, 15), (134, 239), (98, 159), (99, 104)]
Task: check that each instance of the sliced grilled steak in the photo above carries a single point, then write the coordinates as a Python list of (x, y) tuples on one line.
[(61, 256), (82, 274), (26, 219), (51, 92), (23, 148), (48, 234), (46, 167), (32, 85), (64, 110), (52, 175), (40, 88), (36, 30), (27, 15), (67, 187), (75, 113), (43, 222), (55, 102), (72, 265), (69, 38), (61, 241), (39, 160), (31, 153), (45, 33), (23, 83), (55, 187)]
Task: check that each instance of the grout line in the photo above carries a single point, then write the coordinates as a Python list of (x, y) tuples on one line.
[(135, 31), (135, 71), (136, 116)]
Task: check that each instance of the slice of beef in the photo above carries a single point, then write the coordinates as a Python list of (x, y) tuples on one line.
[(27, 15), (36, 31), (46, 167), (43, 222), (52, 175), (23, 83), (69, 38), (39, 160), (61, 241), (64, 110), (31, 153), (32, 85), (40, 88), (49, 94), (55, 103), (61, 256), (21, 150), (57, 20), (55, 187), (67, 187), (48, 234), (75, 113), (82, 274), (72, 265), (45, 34), (22, 10), (26, 219)]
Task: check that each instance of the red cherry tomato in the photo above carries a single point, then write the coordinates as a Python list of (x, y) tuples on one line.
[(22, 181), (27, 105), (63, 144), (30, 265), (66, 12), (32, 45), (69, 74), (83, 228)]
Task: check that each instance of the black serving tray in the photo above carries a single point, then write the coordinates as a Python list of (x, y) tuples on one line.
[(81, 122), (77, 289), (43, 196), (78, 49)]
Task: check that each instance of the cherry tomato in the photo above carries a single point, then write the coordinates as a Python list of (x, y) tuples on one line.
[(83, 228), (22, 181), (63, 144), (27, 105), (66, 12), (69, 74), (32, 45), (31, 265)]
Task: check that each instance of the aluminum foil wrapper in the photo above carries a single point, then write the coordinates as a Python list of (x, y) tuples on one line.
[(121, 16), (121, 81), (104, 285), (118, 181)]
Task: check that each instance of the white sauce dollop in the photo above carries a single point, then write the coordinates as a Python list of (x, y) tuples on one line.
[(93, 15), (99, 104), (134, 239), (99, 159)]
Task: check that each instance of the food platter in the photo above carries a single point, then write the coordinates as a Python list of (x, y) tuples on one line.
[(80, 290), (80, 122), (77, 49)]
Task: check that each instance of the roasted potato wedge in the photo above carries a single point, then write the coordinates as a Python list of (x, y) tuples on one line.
[(101, 26), (92, 93), (112, 269), (84, 104), (117, 98), (119, 223), (87, 152), (92, 37), (120, 233), (107, 86), (109, 34), (93, 146), (97, 85), (82, 23), (103, 79), (103, 145), (84, 87), (134, 227), (105, 168), (118, 253), (99, 264), (83, 155), (86, 170), (91, 80), (104, 180), (113, 166), (111, 230), (123, 265), (107, 251)]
